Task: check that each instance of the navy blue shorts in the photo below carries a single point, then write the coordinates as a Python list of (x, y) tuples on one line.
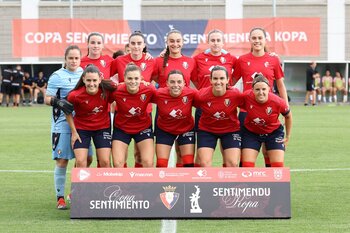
[(197, 116), (273, 141), (166, 138), (101, 138), (120, 135), (227, 140), (241, 118)]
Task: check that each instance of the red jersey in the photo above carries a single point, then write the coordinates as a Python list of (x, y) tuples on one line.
[(205, 63), (185, 64), (263, 118), (132, 116), (175, 113), (119, 64), (91, 111), (248, 65), (103, 64), (219, 113)]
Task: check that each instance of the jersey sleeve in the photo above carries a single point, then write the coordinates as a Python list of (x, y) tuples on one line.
[(284, 108), (53, 85)]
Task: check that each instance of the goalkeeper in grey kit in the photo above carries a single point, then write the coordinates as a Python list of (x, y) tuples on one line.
[(60, 84)]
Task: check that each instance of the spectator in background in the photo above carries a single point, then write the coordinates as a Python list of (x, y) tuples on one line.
[(327, 82), (40, 84), (28, 87), (6, 85), (339, 86), (16, 84), (310, 84), (318, 88)]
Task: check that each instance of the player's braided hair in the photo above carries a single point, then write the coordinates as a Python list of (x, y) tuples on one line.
[(167, 52)]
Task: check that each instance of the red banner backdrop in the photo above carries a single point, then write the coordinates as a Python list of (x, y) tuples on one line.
[(49, 37)]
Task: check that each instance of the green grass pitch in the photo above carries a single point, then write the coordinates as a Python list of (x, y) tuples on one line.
[(320, 196)]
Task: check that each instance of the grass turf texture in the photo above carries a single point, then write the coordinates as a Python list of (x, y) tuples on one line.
[(319, 198)]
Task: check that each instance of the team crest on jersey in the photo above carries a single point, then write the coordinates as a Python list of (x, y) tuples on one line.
[(103, 63), (124, 99), (185, 99), (248, 63), (227, 102), (169, 197), (143, 66), (86, 101), (251, 106), (268, 110), (209, 104), (266, 64), (206, 60), (185, 65), (222, 60), (143, 97), (165, 101)]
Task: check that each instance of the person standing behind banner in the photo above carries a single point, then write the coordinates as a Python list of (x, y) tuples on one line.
[(261, 124), (175, 120), (205, 62), (310, 84), (219, 120), (90, 99), (173, 59), (139, 56), (95, 57), (95, 45), (259, 61), (214, 56), (132, 121), (60, 83)]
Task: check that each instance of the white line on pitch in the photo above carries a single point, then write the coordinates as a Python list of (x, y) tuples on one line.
[(28, 171)]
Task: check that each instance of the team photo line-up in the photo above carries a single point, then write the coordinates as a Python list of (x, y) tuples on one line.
[(91, 93)]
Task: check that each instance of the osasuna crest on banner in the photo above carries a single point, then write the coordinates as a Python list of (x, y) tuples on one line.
[(268, 110), (185, 65), (143, 66), (143, 97), (169, 197), (227, 102), (185, 99)]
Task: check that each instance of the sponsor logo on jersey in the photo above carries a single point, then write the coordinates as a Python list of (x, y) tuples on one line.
[(176, 113), (266, 64), (97, 110), (135, 111), (219, 115), (259, 121)]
